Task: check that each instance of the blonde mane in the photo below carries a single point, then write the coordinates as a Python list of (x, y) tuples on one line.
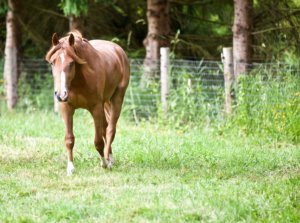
[(71, 52), (76, 33)]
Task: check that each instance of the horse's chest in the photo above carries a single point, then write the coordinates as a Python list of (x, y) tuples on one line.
[(83, 99)]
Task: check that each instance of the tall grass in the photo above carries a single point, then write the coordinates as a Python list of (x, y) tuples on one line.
[(268, 105)]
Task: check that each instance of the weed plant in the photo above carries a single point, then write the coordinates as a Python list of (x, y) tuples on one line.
[(268, 105), (267, 101), (36, 91)]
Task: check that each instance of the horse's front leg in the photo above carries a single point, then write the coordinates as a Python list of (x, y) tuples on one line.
[(67, 113)]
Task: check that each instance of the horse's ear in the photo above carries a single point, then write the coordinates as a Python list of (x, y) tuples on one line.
[(71, 39), (55, 39)]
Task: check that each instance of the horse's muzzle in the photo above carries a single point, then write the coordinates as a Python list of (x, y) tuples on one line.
[(62, 97)]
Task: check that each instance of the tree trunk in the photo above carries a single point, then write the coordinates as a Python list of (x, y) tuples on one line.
[(12, 52), (242, 39), (157, 37)]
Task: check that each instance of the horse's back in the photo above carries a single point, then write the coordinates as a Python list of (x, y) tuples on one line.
[(104, 45), (108, 50), (113, 53)]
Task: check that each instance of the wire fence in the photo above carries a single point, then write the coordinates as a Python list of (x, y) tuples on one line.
[(35, 88), (196, 87)]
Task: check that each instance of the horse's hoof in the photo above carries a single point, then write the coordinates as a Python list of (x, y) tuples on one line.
[(70, 169), (103, 163), (109, 164)]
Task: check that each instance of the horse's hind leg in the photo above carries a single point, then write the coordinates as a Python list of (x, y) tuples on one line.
[(100, 125), (114, 114)]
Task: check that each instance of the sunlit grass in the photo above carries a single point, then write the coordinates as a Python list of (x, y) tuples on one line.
[(161, 175)]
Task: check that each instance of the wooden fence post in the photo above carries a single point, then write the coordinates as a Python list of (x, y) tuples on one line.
[(227, 59), (164, 76)]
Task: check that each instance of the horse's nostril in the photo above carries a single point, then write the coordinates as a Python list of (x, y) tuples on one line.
[(64, 96), (61, 97)]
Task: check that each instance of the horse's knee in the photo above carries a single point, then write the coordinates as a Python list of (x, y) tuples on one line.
[(69, 141)]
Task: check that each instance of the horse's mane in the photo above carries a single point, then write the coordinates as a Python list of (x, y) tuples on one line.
[(73, 51), (76, 33)]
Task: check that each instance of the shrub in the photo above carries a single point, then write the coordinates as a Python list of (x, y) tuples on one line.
[(35, 91), (268, 104)]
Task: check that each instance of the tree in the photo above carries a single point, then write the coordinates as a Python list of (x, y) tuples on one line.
[(12, 53), (157, 37), (74, 9), (205, 26), (242, 39), (276, 32)]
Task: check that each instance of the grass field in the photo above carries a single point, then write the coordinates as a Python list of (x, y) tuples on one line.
[(161, 175)]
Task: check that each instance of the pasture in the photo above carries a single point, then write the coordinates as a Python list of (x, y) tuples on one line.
[(160, 175)]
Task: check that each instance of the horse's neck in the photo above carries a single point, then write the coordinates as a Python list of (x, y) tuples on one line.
[(84, 72), (90, 53), (79, 75)]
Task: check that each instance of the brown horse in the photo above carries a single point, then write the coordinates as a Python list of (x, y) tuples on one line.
[(92, 75)]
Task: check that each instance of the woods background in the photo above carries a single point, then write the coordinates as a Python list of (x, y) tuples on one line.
[(198, 28)]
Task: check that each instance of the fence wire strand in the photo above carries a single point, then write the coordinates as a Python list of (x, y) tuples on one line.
[(193, 84)]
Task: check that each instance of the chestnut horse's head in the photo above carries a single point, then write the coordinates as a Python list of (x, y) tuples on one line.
[(63, 57)]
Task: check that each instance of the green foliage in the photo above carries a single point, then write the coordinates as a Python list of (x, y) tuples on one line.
[(267, 100), (141, 103), (74, 7), (191, 101), (185, 103), (174, 42), (269, 105), (36, 92), (195, 97), (2, 92), (204, 26), (275, 32), (3, 8)]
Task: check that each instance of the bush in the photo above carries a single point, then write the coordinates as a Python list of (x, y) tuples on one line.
[(268, 105), (35, 91), (195, 95), (193, 105)]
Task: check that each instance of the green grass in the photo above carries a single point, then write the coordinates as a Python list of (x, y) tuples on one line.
[(161, 175)]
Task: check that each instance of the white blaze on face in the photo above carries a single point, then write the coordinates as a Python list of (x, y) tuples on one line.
[(62, 57), (62, 75)]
